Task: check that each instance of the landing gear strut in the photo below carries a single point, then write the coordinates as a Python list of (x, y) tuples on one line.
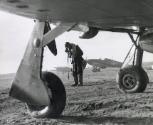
[(44, 93), (133, 78)]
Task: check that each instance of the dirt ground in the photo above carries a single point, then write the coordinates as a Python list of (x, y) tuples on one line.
[(99, 101)]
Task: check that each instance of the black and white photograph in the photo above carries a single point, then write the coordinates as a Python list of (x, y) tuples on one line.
[(76, 62)]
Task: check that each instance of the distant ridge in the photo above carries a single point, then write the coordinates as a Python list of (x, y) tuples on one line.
[(3, 76), (63, 69), (147, 63), (104, 63)]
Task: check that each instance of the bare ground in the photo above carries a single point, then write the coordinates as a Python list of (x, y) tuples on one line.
[(99, 101)]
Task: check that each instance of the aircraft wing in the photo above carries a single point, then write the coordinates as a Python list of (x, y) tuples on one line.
[(96, 13)]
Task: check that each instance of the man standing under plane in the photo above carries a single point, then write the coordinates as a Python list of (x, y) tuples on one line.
[(78, 62)]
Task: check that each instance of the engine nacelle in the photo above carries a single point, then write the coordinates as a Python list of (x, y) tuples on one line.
[(90, 34), (146, 42)]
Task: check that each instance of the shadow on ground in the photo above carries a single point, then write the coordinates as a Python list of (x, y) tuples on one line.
[(106, 120)]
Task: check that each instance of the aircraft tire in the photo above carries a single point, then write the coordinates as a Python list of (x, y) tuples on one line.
[(132, 79), (57, 98)]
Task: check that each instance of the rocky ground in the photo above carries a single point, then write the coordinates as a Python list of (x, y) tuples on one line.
[(99, 101)]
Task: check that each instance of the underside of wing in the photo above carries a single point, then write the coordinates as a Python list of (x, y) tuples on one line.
[(96, 13)]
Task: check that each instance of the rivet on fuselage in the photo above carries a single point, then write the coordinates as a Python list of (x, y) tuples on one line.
[(13, 1), (43, 10), (22, 6)]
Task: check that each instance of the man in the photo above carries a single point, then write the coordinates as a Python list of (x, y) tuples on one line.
[(78, 62)]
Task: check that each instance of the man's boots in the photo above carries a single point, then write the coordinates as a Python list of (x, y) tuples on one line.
[(75, 80), (80, 80)]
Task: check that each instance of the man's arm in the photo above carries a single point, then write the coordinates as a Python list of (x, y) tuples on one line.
[(73, 50)]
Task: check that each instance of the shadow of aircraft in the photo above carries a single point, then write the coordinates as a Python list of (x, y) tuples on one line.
[(106, 120)]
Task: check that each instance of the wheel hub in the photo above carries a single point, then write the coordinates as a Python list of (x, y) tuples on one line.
[(129, 81)]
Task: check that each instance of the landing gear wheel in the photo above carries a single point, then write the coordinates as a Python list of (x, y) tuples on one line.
[(57, 96), (132, 79)]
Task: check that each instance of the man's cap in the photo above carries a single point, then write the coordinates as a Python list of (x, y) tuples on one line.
[(67, 43)]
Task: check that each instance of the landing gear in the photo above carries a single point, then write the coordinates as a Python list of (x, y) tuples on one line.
[(43, 93), (57, 97), (133, 78)]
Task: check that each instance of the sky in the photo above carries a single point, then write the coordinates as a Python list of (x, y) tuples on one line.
[(16, 30)]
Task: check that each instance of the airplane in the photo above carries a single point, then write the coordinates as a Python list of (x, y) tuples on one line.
[(44, 92), (101, 64)]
